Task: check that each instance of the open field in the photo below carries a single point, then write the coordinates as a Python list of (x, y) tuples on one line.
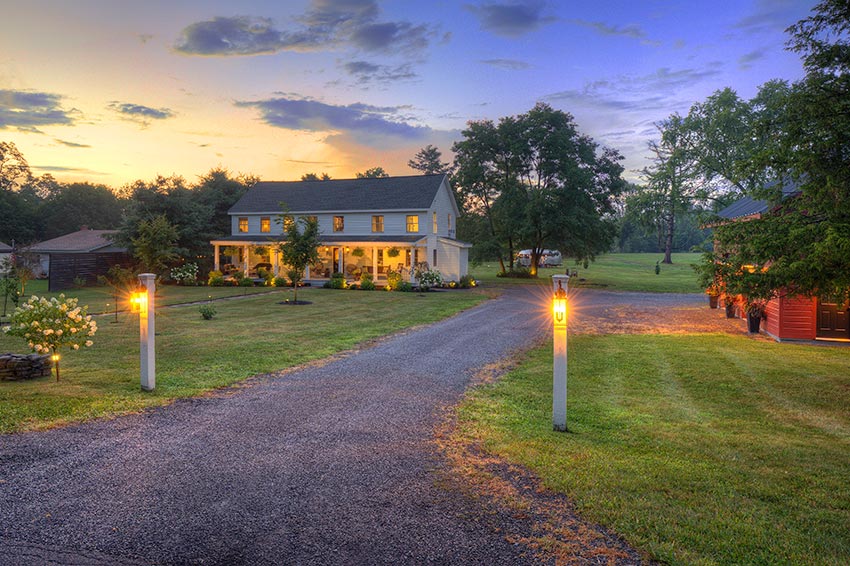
[(249, 336), (614, 272), (698, 449)]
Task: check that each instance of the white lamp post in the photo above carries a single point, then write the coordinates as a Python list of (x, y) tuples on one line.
[(144, 301), (559, 365)]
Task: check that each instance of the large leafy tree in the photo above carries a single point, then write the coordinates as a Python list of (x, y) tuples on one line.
[(372, 173), (154, 246), (72, 206), (671, 186), (315, 177), (802, 244), (429, 161), (198, 213), (541, 183)]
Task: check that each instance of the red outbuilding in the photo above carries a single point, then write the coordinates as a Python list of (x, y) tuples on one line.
[(794, 317)]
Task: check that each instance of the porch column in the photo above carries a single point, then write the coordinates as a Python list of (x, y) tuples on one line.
[(341, 265), (245, 254), (412, 264), (375, 263), (215, 258), (275, 260)]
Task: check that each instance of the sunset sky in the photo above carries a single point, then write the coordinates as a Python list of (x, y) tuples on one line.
[(113, 91)]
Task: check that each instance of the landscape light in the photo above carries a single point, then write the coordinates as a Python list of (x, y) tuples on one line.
[(559, 352)]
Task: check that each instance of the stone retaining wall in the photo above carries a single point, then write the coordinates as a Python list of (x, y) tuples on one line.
[(15, 367)]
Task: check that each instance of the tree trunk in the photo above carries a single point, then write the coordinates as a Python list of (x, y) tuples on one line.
[(668, 241)]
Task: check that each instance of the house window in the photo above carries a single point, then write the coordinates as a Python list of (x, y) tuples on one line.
[(377, 224), (339, 223), (413, 223), (449, 222), (435, 259), (434, 221), (265, 224), (314, 219), (243, 224), (287, 222)]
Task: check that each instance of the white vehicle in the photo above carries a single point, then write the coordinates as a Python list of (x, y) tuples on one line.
[(548, 258)]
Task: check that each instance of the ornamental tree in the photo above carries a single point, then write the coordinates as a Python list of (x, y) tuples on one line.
[(300, 248), (49, 325)]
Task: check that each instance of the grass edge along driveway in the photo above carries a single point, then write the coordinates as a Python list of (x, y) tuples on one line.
[(698, 449), (249, 336)]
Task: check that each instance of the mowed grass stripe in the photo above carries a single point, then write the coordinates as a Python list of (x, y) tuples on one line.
[(694, 448)]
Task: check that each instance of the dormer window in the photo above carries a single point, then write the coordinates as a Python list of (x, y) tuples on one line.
[(265, 224), (243, 224), (339, 223)]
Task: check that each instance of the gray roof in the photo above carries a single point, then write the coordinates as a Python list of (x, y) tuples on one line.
[(749, 206), (414, 192), (82, 241), (5, 248)]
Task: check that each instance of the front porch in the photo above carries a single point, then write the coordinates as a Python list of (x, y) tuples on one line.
[(351, 258)]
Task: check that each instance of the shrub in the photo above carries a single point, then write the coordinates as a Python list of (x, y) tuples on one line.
[(428, 278), (207, 311), (246, 282), (79, 282), (280, 281), (517, 272), (366, 282), (185, 274), (215, 279), (393, 280), (405, 287), (48, 325), (337, 281), (467, 281)]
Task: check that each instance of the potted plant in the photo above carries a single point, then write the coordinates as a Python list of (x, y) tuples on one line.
[(713, 293), (755, 312), (729, 303)]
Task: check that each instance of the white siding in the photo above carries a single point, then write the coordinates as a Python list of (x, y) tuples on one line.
[(356, 224), (444, 204)]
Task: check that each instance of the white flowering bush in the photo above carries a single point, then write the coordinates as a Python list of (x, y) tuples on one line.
[(186, 274), (428, 278), (50, 324)]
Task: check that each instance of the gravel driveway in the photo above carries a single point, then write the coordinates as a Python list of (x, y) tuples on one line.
[(328, 464)]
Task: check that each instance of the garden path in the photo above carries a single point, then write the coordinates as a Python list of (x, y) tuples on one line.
[(337, 462)]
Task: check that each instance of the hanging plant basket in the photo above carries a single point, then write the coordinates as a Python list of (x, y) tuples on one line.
[(393, 252), (358, 252)]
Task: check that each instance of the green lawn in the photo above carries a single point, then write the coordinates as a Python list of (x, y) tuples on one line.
[(614, 272), (249, 336), (705, 449)]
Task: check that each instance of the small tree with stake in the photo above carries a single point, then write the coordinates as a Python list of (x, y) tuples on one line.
[(300, 249)]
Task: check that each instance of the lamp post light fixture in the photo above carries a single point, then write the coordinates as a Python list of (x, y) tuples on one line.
[(559, 364), (143, 303)]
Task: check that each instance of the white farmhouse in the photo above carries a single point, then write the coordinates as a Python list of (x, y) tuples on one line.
[(366, 225)]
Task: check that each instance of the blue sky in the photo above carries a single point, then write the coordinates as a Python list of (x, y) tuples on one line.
[(111, 91)]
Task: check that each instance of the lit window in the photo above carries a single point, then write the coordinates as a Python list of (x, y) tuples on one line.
[(265, 224), (339, 223), (377, 224), (243, 224), (413, 223), (434, 221), (287, 222), (449, 222), (313, 219)]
